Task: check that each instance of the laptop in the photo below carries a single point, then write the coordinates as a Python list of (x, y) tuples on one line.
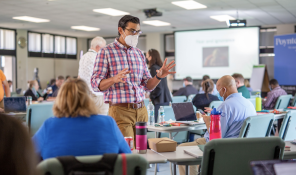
[(184, 112), (15, 104)]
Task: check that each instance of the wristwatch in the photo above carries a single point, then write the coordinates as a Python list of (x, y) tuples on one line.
[(158, 77)]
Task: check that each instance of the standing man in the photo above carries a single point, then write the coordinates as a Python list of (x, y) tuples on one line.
[(120, 71), (4, 88), (86, 67), (240, 85)]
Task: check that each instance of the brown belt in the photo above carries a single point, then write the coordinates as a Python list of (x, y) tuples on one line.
[(129, 105)]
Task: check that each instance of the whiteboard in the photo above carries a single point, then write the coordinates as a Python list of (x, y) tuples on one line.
[(257, 77)]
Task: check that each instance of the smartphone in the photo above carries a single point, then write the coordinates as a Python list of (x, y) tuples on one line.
[(201, 111)]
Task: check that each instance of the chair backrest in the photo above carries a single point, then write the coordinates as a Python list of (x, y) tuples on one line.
[(146, 101), (288, 128), (169, 113), (233, 156), (253, 101), (283, 102), (190, 97), (179, 99), (253, 96), (53, 166), (255, 92), (294, 101), (215, 104), (37, 114), (257, 126)]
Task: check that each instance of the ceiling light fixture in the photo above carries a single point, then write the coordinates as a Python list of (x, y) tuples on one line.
[(189, 5), (111, 12), (31, 19), (156, 23), (222, 18), (85, 28)]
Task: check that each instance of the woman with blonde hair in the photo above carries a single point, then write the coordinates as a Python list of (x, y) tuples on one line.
[(77, 129), (33, 91)]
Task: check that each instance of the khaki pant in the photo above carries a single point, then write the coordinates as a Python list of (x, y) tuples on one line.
[(99, 101), (126, 119), (2, 104), (193, 169)]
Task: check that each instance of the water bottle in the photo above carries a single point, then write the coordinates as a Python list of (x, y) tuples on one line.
[(258, 102), (151, 119), (215, 127), (161, 115)]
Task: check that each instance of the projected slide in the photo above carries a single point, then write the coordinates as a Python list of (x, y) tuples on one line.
[(216, 52)]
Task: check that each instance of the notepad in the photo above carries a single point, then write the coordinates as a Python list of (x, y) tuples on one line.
[(195, 152)]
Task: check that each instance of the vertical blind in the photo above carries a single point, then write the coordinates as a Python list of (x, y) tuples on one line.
[(47, 43), (71, 46), (7, 39), (60, 45), (34, 42)]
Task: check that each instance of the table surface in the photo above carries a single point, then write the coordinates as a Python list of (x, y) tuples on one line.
[(152, 157), (290, 154)]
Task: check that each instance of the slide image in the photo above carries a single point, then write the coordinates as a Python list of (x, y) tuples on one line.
[(215, 56)]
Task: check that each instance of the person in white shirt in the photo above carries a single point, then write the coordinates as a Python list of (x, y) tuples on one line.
[(86, 66)]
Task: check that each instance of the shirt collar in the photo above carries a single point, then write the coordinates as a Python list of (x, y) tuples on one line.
[(276, 88), (91, 50), (234, 95), (121, 46)]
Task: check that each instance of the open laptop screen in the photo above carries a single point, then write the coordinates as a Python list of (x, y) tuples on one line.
[(184, 111), (14, 104)]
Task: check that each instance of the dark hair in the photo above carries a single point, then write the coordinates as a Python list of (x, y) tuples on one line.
[(205, 77), (273, 82), (208, 86), (239, 77), (60, 77), (9, 81), (17, 155), (52, 81), (124, 21), (155, 58), (68, 76)]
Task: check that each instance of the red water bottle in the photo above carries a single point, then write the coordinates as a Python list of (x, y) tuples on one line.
[(215, 127)]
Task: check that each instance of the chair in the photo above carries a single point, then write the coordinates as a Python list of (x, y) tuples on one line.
[(287, 131), (37, 114), (215, 104), (253, 96), (179, 99), (253, 101), (283, 102), (294, 101), (146, 101), (136, 165), (179, 137), (233, 156), (190, 97), (257, 126)]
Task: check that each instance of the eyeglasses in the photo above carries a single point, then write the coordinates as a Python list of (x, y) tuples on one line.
[(134, 32)]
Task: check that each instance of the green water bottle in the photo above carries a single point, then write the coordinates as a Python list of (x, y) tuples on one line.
[(258, 101)]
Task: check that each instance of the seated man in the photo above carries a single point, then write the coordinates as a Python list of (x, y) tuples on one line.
[(188, 88), (273, 95), (235, 109), (55, 88), (240, 84)]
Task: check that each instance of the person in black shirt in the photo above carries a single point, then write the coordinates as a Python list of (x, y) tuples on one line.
[(200, 101), (160, 96), (33, 91), (188, 89)]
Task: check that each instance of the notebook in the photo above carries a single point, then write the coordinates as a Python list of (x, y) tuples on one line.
[(14, 104), (194, 151)]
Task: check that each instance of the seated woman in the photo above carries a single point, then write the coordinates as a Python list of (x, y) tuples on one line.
[(200, 101), (76, 128), (32, 91)]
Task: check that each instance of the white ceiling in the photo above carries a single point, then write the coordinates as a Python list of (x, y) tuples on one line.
[(66, 13)]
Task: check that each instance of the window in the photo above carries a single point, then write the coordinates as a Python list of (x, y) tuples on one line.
[(7, 39), (34, 42), (47, 43), (60, 45), (71, 46)]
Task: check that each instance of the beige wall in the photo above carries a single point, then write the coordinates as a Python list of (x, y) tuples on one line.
[(155, 41), (48, 67), (284, 29)]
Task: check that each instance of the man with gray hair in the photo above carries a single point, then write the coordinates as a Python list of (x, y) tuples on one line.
[(86, 66)]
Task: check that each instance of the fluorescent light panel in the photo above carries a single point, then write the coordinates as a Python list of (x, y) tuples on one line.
[(85, 28), (111, 12), (222, 18), (156, 23), (31, 19), (189, 5)]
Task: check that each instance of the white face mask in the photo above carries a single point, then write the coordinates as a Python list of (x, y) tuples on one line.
[(131, 40)]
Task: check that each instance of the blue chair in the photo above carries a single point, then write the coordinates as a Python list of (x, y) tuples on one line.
[(179, 99), (288, 128), (253, 101), (179, 137), (294, 101), (257, 126), (283, 102), (190, 97), (146, 101), (253, 96), (215, 104), (37, 114)]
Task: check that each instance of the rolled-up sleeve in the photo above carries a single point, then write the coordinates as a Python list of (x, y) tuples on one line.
[(268, 101), (146, 76), (100, 70)]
